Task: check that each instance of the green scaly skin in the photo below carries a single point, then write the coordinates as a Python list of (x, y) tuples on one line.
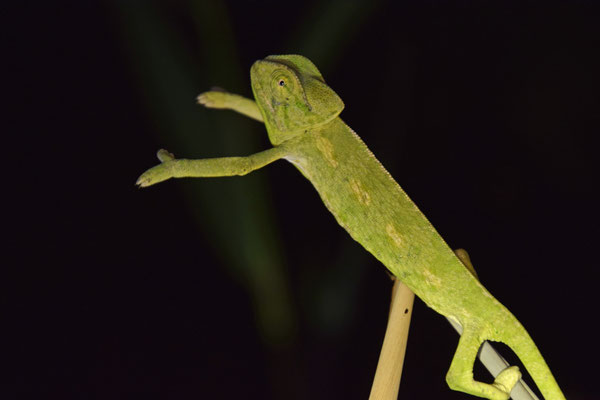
[(301, 114)]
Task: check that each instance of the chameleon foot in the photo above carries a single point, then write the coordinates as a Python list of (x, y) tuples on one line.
[(216, 98), (507, 379), (159, 173)]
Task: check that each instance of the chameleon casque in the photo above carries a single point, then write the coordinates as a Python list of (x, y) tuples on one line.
[(301, 115)]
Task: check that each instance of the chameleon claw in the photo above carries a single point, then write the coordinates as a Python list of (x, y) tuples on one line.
[(143, 181), (215, 98), (507, 379), (207, 99), (203, 99), (154, 175), (159, 173), (164, 156)]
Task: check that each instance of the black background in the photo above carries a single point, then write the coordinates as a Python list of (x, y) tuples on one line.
[(487, 115)]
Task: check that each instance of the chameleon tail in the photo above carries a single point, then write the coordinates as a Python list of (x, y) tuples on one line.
[(532, 359)]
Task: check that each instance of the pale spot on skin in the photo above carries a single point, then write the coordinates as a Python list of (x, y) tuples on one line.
[(326, 148), (394, 235), (431, 279), (361, 194)]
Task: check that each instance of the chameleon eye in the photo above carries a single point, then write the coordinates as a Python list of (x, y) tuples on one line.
[(282, 84)]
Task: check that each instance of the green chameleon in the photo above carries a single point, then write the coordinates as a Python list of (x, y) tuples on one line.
[(301, 114)]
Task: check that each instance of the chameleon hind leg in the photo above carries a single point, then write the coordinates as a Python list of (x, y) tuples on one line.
[(460, 374)]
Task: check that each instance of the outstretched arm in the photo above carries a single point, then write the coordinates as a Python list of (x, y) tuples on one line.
[(224, 100), (209, 167)]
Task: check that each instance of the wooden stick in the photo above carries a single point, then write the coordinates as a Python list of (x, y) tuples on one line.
[(391, 359)]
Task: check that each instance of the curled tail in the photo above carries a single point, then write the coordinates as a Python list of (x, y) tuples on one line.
[(532, 359)]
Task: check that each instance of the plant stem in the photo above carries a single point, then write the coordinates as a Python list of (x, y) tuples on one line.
[(389, 368)]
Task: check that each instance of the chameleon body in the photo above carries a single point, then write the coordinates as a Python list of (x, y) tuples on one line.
[(301, 114)]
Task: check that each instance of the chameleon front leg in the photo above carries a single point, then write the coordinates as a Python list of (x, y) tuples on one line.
[(235, 102), (209, 167)]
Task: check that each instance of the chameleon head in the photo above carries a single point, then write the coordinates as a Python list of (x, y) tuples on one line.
[(292, 96)]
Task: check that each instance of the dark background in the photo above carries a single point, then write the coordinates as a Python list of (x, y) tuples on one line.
[(487, 115)]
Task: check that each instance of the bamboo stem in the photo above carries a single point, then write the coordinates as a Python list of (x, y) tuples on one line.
[(391, 359)]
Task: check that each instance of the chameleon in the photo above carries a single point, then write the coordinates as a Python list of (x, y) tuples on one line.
[(301, 114)]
